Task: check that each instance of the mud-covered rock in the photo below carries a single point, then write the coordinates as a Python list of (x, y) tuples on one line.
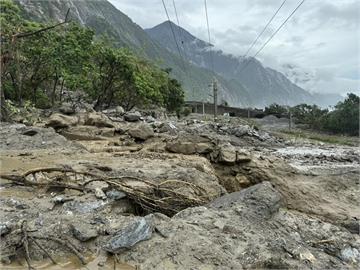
[(82, 207), (58, 120), (84, 232), (132, 116), (141, 132), (20, 137), (135, 232), (149, 119), (263, 200), (119, 110), (227, 155), (246, 229), (167, 127), (67, 108), (189, 145), (99, 120), (88, 133), (115, 194), (5, 228)]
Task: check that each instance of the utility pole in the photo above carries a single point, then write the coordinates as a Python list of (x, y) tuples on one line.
[(290, 120), (215, 89)]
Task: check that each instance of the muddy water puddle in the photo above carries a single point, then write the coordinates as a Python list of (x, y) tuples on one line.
[(94, 263)]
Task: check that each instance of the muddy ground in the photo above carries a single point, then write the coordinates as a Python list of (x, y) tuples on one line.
[(144, 191)]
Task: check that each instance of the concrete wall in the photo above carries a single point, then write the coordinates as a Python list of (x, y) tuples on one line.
[(197, 107)]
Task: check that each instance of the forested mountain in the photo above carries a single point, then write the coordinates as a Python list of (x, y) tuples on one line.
[(256, 86), (265, 85)]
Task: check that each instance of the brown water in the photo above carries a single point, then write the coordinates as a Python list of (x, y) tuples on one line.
[(72, 264)]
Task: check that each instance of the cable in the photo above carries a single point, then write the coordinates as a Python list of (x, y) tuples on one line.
[(183, 47), (208, 29), (262, 32), (173, 33), (271, 37), (178, 23)]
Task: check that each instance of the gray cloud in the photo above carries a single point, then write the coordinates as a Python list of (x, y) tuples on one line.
[(322, 39)]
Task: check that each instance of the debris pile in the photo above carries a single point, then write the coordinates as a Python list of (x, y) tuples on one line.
[(164, 193)]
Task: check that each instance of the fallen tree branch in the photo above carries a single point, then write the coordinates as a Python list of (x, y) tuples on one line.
[(167, 197), (70, 246)]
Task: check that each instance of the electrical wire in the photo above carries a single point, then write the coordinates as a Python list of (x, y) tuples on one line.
[(266, 26), (174, 36), (272, 36), (209, 36)]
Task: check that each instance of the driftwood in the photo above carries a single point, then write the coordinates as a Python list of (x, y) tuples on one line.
[(164, 197)]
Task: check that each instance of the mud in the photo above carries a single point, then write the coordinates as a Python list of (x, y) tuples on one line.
[(216, 195)]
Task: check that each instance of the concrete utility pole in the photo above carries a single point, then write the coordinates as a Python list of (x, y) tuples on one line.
[(290, 120), (215, 89)]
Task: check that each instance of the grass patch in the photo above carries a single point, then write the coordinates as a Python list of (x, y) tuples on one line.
[(321, 137)]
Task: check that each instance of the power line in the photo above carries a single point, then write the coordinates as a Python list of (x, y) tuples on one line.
[(183, 44), (179, 31), (266, 26), (178, 23), (209, 36), (173, 33), (271, 37)]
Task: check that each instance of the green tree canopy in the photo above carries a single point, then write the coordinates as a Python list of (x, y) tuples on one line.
[(39, 67)]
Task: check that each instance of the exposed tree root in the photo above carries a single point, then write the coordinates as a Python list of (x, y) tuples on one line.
[(26, 239), (166, 197)]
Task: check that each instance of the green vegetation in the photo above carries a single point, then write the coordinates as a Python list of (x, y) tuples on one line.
[(310, 115), (276, 109), (39, 66), (320, 137), (343, 119)]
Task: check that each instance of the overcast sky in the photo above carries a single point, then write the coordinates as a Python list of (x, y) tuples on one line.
[(320, 43)]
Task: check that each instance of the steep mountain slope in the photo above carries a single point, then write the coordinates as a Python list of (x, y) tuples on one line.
[(265, 85), (104, 18), (257, 86)]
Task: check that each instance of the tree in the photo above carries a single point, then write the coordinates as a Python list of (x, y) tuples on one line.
[(42, 62), (173, 93), (276, 109), (345, 117), (311, 115)]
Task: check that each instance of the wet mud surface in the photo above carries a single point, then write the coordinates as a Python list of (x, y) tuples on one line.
[(168, 194)]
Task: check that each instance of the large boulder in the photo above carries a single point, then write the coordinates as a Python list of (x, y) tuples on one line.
[(119, 110), (167, 127), (246, 230), (261, 200), (141, 132), (67, 108), (58, 120), (230, 155), (21, 137), (98, 120), (189, 145), (88, 133), (132, 116)]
